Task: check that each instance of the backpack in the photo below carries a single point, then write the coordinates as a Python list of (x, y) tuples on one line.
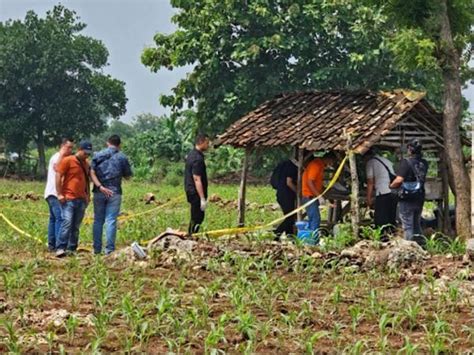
[(414, 190)]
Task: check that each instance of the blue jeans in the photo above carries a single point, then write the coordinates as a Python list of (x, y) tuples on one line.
[(55, 220), (410, 215), (105, 210), (72, 213), (314, 217)]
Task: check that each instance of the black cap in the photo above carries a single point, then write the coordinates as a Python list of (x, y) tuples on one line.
[(86, 146), (414, 146)]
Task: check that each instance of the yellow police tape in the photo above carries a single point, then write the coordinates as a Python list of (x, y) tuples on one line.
[(19, 230), (121, 218), (214, 233), (88, 220), (221, 232)]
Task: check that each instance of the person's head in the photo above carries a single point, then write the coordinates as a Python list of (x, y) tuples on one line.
[(414, 147), (202, 142), (370, 153), (114, 140), (66, 146), (85, 149), (329, 158)]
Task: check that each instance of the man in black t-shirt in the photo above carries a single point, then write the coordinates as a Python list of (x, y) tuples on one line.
[(195, 182), (413, 169), (286, 194)]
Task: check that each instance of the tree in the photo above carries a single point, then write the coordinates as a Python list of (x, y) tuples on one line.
[(437, 37), (51, 84), (245, 52)]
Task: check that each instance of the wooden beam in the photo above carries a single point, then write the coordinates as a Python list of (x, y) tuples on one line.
[(243, 189), (299, 185), (355, 217)]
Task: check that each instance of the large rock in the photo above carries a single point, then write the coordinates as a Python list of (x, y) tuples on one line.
[(470, 249), (393, 254)]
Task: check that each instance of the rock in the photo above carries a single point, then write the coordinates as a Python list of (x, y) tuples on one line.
[(405, 253), (214, 198), (316, 255), (172, 240), (396, 253), (466, 260), (149, 197), (470, 248)]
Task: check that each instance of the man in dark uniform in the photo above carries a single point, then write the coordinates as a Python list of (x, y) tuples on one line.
[(286, 181), (412, 171), (195, 182)]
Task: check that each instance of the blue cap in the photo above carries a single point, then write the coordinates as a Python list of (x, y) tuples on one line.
[(86, 146)]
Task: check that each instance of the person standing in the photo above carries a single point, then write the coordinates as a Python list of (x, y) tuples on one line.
[(379, 174), (51, 195), (411, 176), (312, 186), (195, 182), (73, 188), (108, 167), (284, 180)]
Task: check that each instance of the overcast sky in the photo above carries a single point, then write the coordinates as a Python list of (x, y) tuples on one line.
[(126, 27)]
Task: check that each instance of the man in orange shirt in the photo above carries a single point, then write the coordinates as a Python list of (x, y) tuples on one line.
[(73, 187), (312, 186)]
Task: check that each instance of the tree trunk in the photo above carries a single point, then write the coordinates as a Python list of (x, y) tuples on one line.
[(41, 154), (451, 125)]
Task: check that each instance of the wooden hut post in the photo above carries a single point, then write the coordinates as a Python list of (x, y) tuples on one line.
[(299, 183), (243, 188), (355, 218)]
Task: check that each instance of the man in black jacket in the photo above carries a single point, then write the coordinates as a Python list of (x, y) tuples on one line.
[(285, 184), (195, 182), (411, 175)]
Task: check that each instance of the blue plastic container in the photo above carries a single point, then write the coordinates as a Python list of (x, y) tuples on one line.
[(304, 234)]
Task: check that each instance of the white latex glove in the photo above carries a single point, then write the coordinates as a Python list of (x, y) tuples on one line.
[(203, 204)]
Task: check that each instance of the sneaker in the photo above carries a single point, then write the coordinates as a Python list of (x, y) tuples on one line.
[(60, 253)]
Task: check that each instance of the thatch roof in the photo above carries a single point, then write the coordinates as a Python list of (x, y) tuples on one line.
[(317, 121)]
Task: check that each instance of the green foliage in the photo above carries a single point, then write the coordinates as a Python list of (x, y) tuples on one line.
[(51, 81), (246, 52)]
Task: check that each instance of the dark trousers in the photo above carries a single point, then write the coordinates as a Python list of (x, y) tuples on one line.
[(197, 216), (386, 210), (287, 204)]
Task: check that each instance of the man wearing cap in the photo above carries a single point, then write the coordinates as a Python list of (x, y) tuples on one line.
[(411, 175), (72, 186), (108, 167)]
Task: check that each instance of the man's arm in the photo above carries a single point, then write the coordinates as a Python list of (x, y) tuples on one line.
[(107, 192), (291, 184), (199, 187), (312, 187), (59, 186), (397, 182), (370, 191), (126, 169)]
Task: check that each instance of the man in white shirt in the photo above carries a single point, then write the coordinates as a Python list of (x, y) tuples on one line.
[(380, 173), (51, 195)]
